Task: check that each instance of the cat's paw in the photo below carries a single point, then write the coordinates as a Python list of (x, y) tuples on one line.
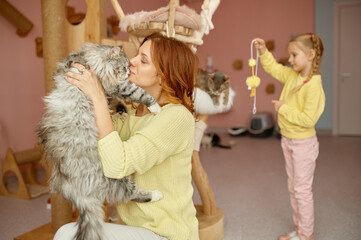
[(156, 196), (155, 108)]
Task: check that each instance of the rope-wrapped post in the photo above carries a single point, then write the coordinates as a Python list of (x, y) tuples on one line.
[(53, 14), (53, 17)]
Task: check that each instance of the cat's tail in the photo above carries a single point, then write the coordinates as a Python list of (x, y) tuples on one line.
[(90, 221), (224, 146)]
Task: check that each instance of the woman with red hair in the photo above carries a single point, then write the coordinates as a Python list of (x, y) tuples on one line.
[(155, 149)]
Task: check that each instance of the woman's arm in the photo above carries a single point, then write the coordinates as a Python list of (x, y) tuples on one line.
[(170, 132), (90, 85)]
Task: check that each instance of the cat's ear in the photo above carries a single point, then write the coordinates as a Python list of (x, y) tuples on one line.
[(226, 77), (211, 75), (114, 52), (210, 82)]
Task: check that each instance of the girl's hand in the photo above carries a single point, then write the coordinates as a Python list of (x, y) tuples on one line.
[(277, 104), (260, 45), (87, 82)]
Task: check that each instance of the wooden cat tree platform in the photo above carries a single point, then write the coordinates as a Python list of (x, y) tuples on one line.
[(60, 38)]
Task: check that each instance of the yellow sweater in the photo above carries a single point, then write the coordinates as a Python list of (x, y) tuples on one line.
[(302, 109), (157, 150)]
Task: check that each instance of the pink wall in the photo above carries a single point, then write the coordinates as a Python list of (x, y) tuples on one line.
[(236, 24), (21, 81)]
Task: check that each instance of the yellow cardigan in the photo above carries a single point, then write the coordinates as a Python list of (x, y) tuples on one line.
[(298, 116), (157, 150)]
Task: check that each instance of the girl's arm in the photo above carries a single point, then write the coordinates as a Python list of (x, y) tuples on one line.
[(260, 45), (90, 85), (314, 104), (270, 65)]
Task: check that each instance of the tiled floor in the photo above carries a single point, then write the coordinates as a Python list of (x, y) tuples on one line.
[(249, 184)]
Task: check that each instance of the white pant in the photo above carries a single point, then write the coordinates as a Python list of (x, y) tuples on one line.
[(111, 232)]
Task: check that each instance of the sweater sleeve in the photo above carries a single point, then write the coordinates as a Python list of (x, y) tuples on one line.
[(167, 133), (314, 104), (275, 69)]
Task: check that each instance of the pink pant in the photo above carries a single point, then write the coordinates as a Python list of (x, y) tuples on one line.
[(300, 156)]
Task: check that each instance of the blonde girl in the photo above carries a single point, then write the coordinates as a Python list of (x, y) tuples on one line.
[(301, 104)]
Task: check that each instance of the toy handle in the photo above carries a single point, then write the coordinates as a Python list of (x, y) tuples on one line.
[(252, 46)]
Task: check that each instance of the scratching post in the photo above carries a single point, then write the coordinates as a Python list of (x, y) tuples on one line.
[(53, 18), (61, 212), (53, 14)]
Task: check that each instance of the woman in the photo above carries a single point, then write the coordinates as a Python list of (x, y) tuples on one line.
[(156, 149)]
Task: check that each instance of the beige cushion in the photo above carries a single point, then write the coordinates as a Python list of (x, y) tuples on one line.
[(185, 17)]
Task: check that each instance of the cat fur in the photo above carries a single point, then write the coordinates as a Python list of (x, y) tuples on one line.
[(210, 140), (215, 84)]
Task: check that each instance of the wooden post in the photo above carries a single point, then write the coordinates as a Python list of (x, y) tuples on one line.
[(173, 4), (210, 217), (53, 18), (200, 179), (23, 25), (120, 13)]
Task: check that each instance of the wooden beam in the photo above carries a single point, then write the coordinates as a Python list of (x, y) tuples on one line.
[(15, 17)]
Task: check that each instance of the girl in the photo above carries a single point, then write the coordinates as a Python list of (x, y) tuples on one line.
[(301, 104), (156, 149)]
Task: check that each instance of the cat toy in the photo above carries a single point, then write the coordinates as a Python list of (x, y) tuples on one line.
[(253, 81)]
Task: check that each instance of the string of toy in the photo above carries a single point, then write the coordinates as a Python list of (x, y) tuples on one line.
[(253, 81)]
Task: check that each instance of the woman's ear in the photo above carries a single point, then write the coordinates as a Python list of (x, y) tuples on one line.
[(311, 54)]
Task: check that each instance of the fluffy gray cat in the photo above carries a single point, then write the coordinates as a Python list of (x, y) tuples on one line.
[(69, 136)]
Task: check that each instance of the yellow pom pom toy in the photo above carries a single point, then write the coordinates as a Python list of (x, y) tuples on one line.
[(253, 81), (252, 62)]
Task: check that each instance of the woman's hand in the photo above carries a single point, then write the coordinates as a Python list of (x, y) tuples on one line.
[(260, 45), (86, 81), (90, 85), (277, 104)]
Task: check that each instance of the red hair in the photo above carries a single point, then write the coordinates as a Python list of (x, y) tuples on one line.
[(177, 65)]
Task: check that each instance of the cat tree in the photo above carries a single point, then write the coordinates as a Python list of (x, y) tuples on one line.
[(60, 38), (28, 184)]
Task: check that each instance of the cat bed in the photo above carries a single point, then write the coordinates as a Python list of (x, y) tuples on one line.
[(142, 24), (203, 103)]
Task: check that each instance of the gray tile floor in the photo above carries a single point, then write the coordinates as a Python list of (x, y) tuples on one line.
[(249, 184)]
